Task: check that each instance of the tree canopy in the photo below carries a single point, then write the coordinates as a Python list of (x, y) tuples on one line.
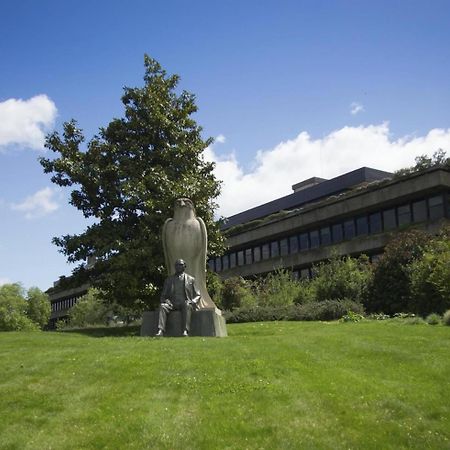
[(127, 178)]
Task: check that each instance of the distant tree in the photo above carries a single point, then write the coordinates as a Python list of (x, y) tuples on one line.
[(424, 162), (38, 307), (88, 310), (127, 180), (13, 309)]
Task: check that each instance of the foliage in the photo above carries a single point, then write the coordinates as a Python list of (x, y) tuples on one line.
[(430, 277), (237, 293), (13, 309), (88, 310), (38, 307), (390, 287), (433, 319), (215, 287), (352, 317), (278, 288), (446, 318), (127, 180), (342, 277), (423, 162)]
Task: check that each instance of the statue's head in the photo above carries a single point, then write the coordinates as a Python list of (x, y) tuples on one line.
[(180, 266), (184, 203)]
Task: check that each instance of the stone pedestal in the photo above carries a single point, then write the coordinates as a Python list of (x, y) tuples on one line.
[(204, 322)]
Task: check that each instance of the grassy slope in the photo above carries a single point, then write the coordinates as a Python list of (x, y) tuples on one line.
[(268, 385)]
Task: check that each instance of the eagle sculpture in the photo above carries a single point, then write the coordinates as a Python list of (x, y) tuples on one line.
[(184, 237)]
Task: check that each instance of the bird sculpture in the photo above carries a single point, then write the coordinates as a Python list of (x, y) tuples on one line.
[(184, 237)]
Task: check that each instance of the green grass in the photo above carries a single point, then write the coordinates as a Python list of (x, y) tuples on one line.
[(367, 385)]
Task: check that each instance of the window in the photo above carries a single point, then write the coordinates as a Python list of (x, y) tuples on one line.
[(389, 220), (274, 249), (218, 264), (304, 241), (436, 207), (240, 257), (284, 248), (314, 238), (293, 244), (349, 229), (265, 251), (256, 254), (375, 223), (419, 210), (325, 236), (232, 260), (211, 265), (248, 256), (404, 214), (225, 262), (337, 231), (362, 226)]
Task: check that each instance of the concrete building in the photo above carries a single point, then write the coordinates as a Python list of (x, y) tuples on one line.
[(354, 213)]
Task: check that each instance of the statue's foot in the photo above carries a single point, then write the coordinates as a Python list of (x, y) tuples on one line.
[(185, 333), (160, 333)]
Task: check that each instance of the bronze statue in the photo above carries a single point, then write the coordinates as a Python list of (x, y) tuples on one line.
[(179, 293)]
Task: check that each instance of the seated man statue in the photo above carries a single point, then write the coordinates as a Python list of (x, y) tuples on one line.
[(179, 293)]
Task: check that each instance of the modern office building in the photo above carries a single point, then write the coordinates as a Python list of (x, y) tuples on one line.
[(353, 213)]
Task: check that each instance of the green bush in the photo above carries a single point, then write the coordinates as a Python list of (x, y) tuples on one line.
[(433, 319), (278, 288), (89, 310), (237, 293), (214, 286), (390, 287), (38, 307), (446, 318)]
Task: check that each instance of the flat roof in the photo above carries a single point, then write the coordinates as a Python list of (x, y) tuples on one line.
[(319, 191)]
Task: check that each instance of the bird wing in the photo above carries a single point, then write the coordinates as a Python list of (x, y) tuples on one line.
[(165, 246), (204, 249)]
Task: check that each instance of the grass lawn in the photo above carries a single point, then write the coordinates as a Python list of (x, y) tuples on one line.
[(279, 385)]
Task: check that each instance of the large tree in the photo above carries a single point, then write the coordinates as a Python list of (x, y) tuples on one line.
[(127, 178)]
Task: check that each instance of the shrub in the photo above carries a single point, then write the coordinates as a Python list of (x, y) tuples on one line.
[(278, 288), (237, 293), (433, 319), (38, 307), (13, 309), (390, 287), (446, 318), (89, 310), (329, 309), (344, 277), (352, 317), (215, 287)]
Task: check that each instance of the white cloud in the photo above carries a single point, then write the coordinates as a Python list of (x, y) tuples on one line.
[(277, 169), (37, 205), (356, 107), (4, 281), (221, 139), (24, 122)]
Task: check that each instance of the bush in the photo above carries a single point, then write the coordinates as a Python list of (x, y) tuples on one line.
[(89, 310), (433, 319), (214, 286), (446, 318), (278, 288), (390, 287), (237, 293), (38, 307)]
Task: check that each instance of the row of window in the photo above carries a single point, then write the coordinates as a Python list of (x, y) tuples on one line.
[(64, 304), (431, 208)]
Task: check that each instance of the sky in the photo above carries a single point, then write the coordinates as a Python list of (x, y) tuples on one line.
[(288, 89)]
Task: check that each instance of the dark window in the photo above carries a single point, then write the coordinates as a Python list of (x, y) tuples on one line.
[(389, 219), (338, 234), (232, 260), (404, 214), (325, 236), (284, 248), (240, 257), (295, 275), (349, 229), (293, 244), (419, 211), (362, 226), (257, 254), (304, 241), (436, 207), (375, 223), (314, 238), (225, 262), (265, 251), (248, 256), (211, 265), (274, 249), (218, 264)]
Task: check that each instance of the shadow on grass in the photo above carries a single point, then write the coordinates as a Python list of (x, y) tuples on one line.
[(99, 332)]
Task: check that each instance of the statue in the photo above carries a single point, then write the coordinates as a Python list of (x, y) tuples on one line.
[(184, 237), (179, 293)]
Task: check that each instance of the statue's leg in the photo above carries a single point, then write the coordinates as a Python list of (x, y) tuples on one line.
[(164, 310), (186, 313)]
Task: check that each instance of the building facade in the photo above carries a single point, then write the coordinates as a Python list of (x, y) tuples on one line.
[(352, 214)]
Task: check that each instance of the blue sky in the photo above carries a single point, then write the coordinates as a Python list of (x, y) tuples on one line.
[(290, 89)]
